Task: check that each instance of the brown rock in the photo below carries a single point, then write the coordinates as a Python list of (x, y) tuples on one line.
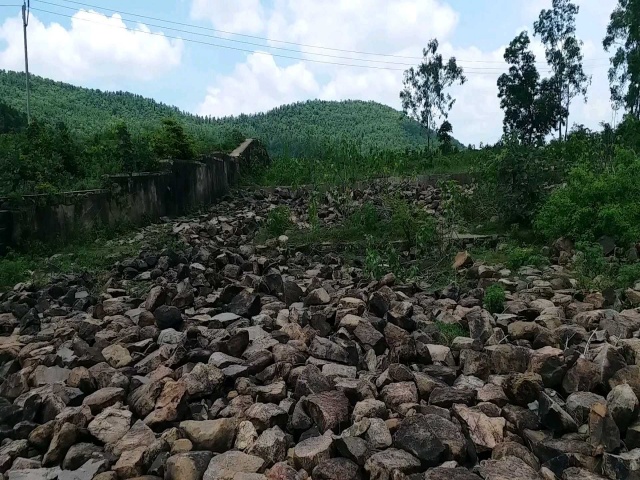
[(329, 410)]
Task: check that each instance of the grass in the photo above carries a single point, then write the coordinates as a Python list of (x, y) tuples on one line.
[(95, 253), (346, 163), (450, 331)]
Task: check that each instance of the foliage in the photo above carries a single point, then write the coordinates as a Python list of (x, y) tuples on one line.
[(623, 34), (518, 257), (557, 29), (595, 271), (424, 96), (494, 298), (450, 331), (515, 179), (171, 141), (593, 203), (278, 221), (445, 138), (529, 111)]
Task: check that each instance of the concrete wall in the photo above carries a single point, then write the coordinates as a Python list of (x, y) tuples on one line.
[(137, 198)]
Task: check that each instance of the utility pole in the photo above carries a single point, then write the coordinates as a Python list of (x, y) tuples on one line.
[(25, 22)]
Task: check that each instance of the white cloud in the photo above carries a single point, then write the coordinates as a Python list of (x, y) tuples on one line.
[(238, 16), (258, 85), (397, 27), (96, 46)]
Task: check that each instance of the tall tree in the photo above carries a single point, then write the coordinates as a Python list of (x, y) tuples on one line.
[(529, 108), (557, 30), (623, 33), (424, 96)]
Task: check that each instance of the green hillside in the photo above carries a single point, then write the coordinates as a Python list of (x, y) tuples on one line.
[(87, 111)]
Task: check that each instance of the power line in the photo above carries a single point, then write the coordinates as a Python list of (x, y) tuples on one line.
[(468, 70), (271, 39)]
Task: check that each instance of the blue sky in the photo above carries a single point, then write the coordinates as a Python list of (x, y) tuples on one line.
[(94, 49)]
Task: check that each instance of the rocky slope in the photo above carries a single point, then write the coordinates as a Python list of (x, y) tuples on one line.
[(249, 362)]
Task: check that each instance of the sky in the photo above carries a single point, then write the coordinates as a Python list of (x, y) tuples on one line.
[(227, 57)]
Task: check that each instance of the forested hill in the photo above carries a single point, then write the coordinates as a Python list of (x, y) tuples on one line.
[(86, 111)]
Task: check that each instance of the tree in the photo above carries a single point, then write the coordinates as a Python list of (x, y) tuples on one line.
[(557, 30), (623, 32), (445, 138), (172, 142), (529, 108), (424, 96)]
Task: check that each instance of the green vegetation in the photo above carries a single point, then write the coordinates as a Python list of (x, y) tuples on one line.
[(494, 298), (278, 221), (450, 331), (93, 252)]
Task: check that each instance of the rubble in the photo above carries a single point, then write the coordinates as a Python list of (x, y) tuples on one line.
[(251, 361)]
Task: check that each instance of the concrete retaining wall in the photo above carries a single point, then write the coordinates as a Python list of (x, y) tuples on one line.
[(134, 199)]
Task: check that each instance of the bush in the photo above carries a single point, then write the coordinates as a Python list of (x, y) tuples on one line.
[(518, 257), (595, 271), (592, 204), (278, 221), (494, 298), (450, 331)]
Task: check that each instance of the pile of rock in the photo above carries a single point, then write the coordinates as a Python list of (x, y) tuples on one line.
[(244, 363)]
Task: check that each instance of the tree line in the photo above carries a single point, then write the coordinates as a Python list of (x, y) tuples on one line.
[(535, 106)]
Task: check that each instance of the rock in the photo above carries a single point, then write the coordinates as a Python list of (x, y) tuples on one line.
[(212, 435), (62, 440), (139, 435), (167, 317), (388, 464), (354, 448), (446, 397), (117, 356), (336, 469), (579, 405), (328, 410), (415, 436), (325, 349), (103, 398), (370, 408), (308, 453), (448, 473), (245, 304), (625, 465), (549, 363), (271, 446), (171, 404), (395, 394), (484, 431), (130, 464), (319, 296), (187, 466), (506, 359), (604, 434), (266, 415), (513, 449), (204, 380), (228, 465), (629, 375), (462, 260), (110, 425), (378, 435), (79, 454), (583, 376), (507, 468), (553, 416), (623, 405), (523, 388)]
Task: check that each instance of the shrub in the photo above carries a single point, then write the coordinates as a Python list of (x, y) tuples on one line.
[(450, 331), (278, 221), (494, 298), (518, 257), (593, 204)]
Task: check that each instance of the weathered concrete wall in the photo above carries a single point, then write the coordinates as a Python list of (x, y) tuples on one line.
[(137, 198)]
